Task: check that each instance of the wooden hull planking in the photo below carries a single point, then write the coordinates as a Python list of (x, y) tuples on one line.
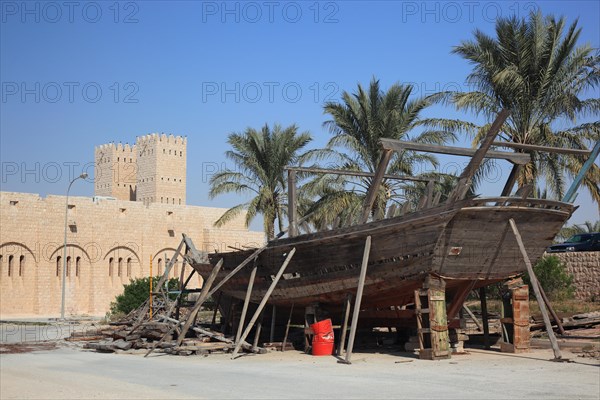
[(465, 241)]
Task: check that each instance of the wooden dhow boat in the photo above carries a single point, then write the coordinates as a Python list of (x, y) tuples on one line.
[(446, 248)]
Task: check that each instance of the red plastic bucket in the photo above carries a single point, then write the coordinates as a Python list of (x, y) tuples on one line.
[(322, 348), (322, 343), (323, 331)]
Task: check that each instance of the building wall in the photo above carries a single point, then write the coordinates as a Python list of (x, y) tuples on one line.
[(585, 268), (102, 236)]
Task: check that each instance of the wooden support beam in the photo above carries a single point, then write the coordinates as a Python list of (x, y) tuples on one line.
[(473, 317), (459, 299), (375, 184), (165, 276), (438, 320), (180, 295), (292, 206), (258, 329), (356, 173), (399, 146), (344, 330), (199, 302), (536, 289), (357, 301), (484, 318), (569, 197), (512, 179), (559, 324), (546, 149), (287, 329), (272, 331), (466, 177), (264, 301), (419, 314), (246, 302), (182, 274), (429, 193)]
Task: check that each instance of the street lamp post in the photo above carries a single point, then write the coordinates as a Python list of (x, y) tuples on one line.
[(64, 271)]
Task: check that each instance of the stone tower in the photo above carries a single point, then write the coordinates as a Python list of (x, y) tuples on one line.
[(115, 171), (161, 174)]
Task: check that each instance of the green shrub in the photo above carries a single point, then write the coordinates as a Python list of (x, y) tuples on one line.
[(136, 292), (554, 279)]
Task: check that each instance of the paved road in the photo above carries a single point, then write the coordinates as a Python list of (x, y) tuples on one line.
[(71, 373)]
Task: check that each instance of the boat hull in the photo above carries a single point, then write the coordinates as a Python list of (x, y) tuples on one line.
[(469, 240)]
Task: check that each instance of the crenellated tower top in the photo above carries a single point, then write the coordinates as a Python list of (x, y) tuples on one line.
[(153, 170)]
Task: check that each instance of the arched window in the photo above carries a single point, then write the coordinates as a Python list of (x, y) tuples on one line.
[(111, 262), (129, 267), (21, 265), (120, 267), (58, 260), (159, 270), (77, 266), (68, 265), (10, 265)]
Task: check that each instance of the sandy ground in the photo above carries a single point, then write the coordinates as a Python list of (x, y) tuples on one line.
[(68, 372)]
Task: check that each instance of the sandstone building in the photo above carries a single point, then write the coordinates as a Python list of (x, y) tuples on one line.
[(136, 218)]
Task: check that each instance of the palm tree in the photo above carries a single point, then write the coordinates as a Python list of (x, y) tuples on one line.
[(534, 68), (260, 158), (357, 123)]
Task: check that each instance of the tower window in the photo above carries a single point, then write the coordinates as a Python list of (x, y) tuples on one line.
[(10, 265), (120, 267), (68, 264), (129, 267), (58, 260), (160, 266), (111, 263)]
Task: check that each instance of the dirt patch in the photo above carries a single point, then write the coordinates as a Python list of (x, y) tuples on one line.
[(15, 348)]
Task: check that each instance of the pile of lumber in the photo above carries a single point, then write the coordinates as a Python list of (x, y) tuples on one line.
[(157, 331), (156, 336), (572, 324)]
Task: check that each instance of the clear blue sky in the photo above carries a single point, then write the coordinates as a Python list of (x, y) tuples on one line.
[(205, 69)]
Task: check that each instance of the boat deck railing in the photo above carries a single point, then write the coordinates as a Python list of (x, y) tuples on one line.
[(506, 201)]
